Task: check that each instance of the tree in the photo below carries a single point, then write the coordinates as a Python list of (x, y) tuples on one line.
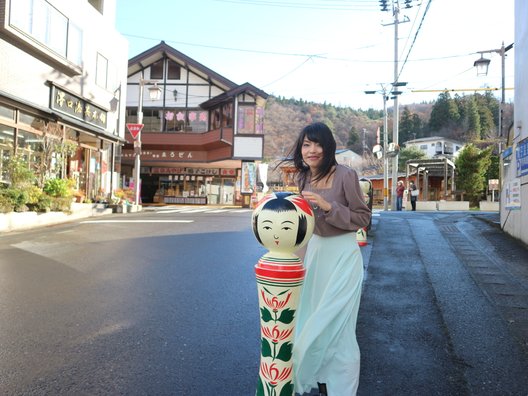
[(471, 167), (406, 126), (410, 126), (445, 113), (409, 153), (353, 138), (473, 118)]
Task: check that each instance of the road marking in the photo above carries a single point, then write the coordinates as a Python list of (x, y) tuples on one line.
[(137, 221)]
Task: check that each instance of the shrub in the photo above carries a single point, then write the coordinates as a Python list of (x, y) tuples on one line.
[(61, 204), (6, 203), (58, 188), (14, 199), (44, 203)]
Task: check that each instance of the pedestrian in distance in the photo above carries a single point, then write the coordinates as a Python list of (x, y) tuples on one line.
[(325, 350), (400, 188), (413, 192)]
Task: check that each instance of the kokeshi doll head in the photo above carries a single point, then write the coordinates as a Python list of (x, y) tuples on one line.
[(283, 222)]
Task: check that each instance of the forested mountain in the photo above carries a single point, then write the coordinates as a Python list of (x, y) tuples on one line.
[(468, 118)]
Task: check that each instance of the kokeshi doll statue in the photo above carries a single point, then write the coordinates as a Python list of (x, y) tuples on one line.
[(283, 223)]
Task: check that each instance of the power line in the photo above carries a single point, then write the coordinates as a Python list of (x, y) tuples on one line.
[(415, 36)]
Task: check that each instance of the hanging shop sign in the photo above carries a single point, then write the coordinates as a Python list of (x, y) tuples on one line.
[(78, 108)]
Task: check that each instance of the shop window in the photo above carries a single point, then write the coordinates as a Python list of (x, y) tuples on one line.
[(30, 120), (152, 120), (246, 119), (198, 121), (7, 143), (7, 113), (173, 70), (156, 70), (29, 146), (174, 120)]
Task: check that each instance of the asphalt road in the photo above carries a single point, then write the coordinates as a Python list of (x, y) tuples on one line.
[(164, 302)]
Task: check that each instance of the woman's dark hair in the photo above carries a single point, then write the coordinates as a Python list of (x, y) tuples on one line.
[(317, 132)]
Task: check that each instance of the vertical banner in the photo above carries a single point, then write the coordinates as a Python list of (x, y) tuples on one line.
[(263, 173), (249, 175)]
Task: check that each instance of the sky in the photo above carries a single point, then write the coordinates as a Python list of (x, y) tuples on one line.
[(333, 50)]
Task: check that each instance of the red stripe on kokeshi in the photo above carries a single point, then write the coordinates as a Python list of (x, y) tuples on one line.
[(272, 270)]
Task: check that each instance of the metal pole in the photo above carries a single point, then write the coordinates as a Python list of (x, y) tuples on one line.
[(137, 163), (396, 115), (385, 159), (503, 96)]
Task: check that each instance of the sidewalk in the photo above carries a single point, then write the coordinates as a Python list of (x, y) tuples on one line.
[(445, 306)]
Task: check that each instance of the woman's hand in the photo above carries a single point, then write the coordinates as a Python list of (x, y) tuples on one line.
[(317, 201)]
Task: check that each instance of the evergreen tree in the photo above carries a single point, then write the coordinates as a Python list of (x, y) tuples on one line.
[(406, 126), (353, 138), (409, 153), (473, 119), (444, 114), (471, 167), (418, 126)]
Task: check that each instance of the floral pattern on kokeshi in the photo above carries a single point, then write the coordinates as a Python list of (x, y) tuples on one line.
[(282, 223), (279, 285)]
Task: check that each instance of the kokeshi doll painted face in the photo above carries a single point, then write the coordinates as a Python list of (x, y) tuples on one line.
[(283, 223)]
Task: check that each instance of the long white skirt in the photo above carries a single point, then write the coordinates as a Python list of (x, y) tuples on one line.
[(325, 347)]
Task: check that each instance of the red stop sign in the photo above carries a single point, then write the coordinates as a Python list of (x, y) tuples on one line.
[(134, 129)]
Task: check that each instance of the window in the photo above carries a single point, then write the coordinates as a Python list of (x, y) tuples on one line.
[(7, 142), (227, 115), (101, 71), (246, 119), (173, 70), (75, 40), (29, 145), (7, 112), (151, 119), (30, 120), (156, 70), (44, 23)]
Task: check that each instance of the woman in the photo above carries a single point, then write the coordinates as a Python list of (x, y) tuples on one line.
[(400, 188), (413, 192), (325, 350)]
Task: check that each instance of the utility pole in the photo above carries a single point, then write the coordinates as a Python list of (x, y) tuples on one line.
[(395, 92)]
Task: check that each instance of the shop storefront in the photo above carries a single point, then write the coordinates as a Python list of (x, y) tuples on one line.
[(202, 136), (55, 147)]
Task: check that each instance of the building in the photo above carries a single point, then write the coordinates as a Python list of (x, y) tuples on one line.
[(436, 146), (62, 77), (514, 185), (349, 158), (200, 138)]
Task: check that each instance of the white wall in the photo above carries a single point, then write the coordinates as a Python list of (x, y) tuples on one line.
[(515, 222)]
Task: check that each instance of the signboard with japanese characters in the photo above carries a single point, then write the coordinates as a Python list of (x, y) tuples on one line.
[(78, 108), (521, 156)]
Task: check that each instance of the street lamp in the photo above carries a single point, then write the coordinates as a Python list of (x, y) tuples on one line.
[(482, 65), (385, 160), (154, 94)]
